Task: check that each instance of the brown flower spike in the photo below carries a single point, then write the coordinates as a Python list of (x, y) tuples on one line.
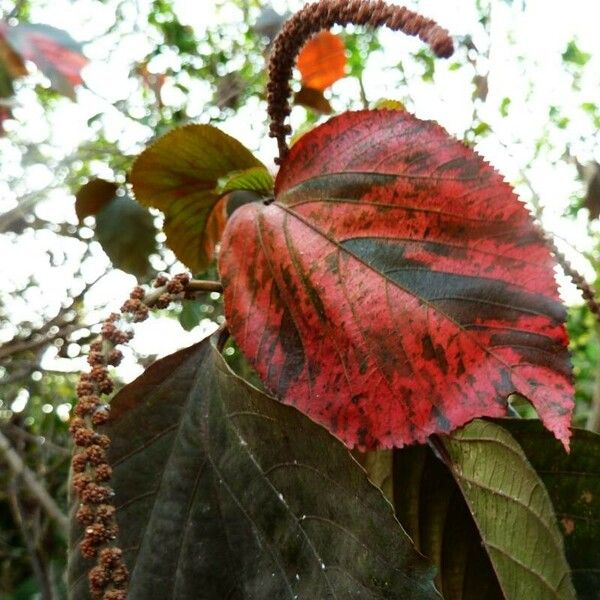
[(91, 471), (324, 15)]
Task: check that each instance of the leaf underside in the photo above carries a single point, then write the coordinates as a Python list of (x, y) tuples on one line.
[(222, 492), (573, 483), (488, 522), (396, 287)]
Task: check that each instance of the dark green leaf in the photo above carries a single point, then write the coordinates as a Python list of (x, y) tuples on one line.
[(225, 493), (127, 234), (573, 483), (239, 198), (433, 511), (191, 314)]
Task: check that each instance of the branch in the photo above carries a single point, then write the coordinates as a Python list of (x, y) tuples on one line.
[(39, 568), (26, 204), (16, 347), (34, 439), (15, 462), (193, 286)]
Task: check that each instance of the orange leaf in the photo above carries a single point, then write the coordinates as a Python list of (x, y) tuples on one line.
[(322, 61)]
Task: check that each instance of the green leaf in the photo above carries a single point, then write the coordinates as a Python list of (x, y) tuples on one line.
[(574, 55), (94, 195), (512, 510), (191, 314), (127, 234), (223, 492), (255, 179), (573, 483), (504, 106), (487, 521), (180, 174), (427, 60)]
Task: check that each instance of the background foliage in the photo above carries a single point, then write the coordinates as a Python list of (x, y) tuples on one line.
[(153, 65)]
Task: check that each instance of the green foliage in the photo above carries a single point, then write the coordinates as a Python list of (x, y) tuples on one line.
[(483, 517), (191, 314), (127, 234), (585, 355), (254, 179), (574, 55)]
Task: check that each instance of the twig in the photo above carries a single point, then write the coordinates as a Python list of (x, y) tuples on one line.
[(202, 285), (19, 468), (578, 279), (16, 347), (194, 286), (363, 92), (34, 439), (39, 568)]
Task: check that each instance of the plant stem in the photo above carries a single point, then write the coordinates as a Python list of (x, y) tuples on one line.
[(20, 469), (203, 285)]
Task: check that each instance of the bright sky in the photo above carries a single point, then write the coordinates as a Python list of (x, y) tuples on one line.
[(529, 70)]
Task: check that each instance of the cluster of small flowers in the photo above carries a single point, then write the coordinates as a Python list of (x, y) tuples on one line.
[(170, 288), (91, 470)]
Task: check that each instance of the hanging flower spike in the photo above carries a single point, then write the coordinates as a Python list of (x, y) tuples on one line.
[(324, 15), (91, 472)]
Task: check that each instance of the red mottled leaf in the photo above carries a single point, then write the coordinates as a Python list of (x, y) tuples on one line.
[(322, 61), (396, 287), (55, 52)]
